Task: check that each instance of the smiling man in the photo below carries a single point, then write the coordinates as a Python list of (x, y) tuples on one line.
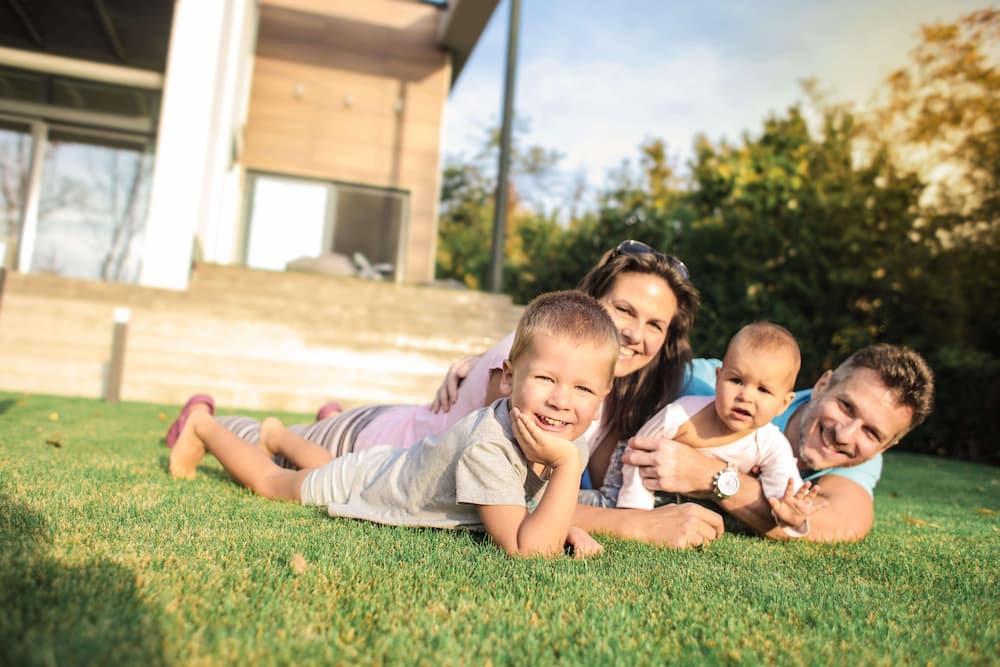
[(837, 430)]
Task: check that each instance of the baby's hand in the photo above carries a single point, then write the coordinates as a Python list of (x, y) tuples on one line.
[(793, 508), (540, 446), (582, 543)]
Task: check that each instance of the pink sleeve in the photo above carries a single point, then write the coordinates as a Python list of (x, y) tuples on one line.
[(472, 391), (404, 425)]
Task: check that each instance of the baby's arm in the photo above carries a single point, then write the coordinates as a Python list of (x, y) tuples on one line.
[(793, 508), (791, 501), (544, 531)]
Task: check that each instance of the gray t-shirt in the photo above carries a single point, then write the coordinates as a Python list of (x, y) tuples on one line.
[(438, 482)]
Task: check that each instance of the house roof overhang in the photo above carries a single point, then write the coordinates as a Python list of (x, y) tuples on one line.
[(462, 24)]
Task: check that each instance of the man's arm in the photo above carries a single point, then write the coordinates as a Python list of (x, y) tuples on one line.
[(675, 526), (849, 513), (672, 466)]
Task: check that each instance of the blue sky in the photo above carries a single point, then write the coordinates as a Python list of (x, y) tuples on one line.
[(597, 78)]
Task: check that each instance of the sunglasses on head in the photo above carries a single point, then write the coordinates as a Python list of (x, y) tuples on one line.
[(633, 247)]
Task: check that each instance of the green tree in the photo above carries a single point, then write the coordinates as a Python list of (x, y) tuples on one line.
[(942, 115), (465, 226), (786, 227)]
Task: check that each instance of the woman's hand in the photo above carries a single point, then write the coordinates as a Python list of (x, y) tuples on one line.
[(447, 393)]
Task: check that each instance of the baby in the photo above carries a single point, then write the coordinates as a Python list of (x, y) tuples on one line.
[(754, 385)]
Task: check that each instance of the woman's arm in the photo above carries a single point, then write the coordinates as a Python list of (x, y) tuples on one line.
[(447, 393), (675, 526)]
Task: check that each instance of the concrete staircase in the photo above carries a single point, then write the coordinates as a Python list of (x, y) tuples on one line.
[(254, 339)]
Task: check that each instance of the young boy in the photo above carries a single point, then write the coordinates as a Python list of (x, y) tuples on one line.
[(512, 469), (754, 385)]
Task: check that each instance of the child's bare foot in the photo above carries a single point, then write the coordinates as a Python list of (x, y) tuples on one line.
[(270, 430), (188, 451)]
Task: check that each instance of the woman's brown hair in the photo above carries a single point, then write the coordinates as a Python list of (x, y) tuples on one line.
[(637, 396)]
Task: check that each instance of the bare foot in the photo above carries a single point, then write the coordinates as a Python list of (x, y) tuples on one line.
[(188, 452), (270, 430)]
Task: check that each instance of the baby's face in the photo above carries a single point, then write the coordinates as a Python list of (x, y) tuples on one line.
[(560, 382), (753, 387)]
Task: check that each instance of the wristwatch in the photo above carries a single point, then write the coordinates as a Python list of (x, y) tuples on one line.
[(726, 482)]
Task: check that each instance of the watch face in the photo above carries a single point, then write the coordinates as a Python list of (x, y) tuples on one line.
[(729, 483)]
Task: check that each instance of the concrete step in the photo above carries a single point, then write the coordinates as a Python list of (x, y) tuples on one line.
[(256, 339)]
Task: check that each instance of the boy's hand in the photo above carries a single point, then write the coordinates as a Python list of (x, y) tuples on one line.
[(582, 543), (540, 446), (793, 508)]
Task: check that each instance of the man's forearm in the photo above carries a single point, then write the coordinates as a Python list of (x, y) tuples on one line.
[(751, 507), (847, 516)]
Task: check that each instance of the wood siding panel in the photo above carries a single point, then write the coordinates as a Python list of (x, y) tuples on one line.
[(355, 92)]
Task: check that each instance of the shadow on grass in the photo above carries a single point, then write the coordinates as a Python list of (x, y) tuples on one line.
[(54, 614), (6, 405)]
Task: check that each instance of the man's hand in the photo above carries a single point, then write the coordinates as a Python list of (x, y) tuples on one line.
[(539, 446), (447, 393), (583, 545), (668, 465), (794, 507)]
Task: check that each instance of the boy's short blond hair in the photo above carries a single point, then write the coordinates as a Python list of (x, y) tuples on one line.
[(771, 338), (568, 313)]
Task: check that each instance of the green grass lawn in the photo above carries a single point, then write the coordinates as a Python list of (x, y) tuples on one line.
[(106, 560)]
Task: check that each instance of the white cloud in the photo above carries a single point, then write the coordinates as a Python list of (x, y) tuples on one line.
[(596, 96)]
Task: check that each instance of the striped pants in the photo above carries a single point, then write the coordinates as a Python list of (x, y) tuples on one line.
[(336, 434)]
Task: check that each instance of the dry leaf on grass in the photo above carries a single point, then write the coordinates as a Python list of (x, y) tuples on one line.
[(918, 522), (54, 416), (983, 510), (298, 563)]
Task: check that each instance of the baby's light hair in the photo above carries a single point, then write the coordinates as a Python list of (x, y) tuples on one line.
[(568, 313), (769, 337)]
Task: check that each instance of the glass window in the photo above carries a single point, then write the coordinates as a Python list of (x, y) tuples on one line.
[(92, 211), (287, 221), (370, 221), (291, 218), (15, 162)]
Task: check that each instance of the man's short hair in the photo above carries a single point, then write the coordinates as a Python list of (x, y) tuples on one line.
[(902, 370), (569, 313)]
